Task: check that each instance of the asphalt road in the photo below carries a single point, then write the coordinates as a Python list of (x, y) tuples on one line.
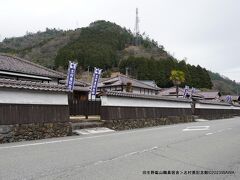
[(211, 146)]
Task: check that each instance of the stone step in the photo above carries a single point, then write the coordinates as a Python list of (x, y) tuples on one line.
[(195, 117), (88, 131), (87, 124)]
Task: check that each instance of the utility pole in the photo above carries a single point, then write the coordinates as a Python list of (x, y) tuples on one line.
[(126, 71), (88, 77), (237, 89)]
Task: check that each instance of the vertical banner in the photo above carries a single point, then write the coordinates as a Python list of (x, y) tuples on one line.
[(185, 94), (95, 79), (71, 75), (192, 92), (229, 99)]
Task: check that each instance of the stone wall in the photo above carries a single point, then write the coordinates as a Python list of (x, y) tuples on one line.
[(21, 132), (140, 123)]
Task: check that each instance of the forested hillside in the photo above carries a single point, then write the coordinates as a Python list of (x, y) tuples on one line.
[(145, 69), (224, 84), (40, 47), (103, 44), (111, 47)]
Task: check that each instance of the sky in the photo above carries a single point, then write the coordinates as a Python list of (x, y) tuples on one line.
[(204, 32)]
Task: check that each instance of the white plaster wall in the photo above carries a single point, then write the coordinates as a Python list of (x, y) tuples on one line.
[(235, 107), (138, 102), (211, 106), (136, 91), (21, 96)]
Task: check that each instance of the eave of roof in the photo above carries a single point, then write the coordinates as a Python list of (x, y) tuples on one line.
[(24, 75)]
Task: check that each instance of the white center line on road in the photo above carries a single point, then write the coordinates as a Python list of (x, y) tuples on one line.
[(219, 131), (83, 138), (127, 155), (208, 134), (196, 128)]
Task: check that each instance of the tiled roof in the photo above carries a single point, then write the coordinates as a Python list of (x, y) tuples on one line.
[(15, 64), (123, 80), (234, 97), (209, 94), (79, 88), (10, 83), (214, 102), (172, 92), (77, 83), (149, 82), (132, 95)]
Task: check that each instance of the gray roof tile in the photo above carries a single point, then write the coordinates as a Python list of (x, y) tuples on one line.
[(10, 83), (76, 83), (132, 95), (123, 80)]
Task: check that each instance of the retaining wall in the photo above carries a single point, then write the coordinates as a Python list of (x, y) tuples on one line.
[(21, 132)]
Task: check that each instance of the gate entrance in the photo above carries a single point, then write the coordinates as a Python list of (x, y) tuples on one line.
[(80, 105)]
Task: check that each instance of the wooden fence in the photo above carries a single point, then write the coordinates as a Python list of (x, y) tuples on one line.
[(32, 113), (118, 113)]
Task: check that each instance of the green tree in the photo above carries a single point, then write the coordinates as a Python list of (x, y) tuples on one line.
[(177, 77)]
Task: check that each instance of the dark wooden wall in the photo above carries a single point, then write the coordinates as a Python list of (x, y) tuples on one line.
[(78, 107), (212, 111), (26, 113), (236, 112), (216, 113), (121, 113), (118, 113)]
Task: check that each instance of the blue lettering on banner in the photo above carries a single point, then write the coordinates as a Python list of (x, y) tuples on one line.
[(229, 99), (186, 89), (96, 76), (71, 75)]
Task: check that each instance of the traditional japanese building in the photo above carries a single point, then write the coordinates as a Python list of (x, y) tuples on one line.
[(124, 83), (31, 101)]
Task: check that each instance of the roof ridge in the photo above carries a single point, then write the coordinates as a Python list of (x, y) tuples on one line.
[(32, 63)]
